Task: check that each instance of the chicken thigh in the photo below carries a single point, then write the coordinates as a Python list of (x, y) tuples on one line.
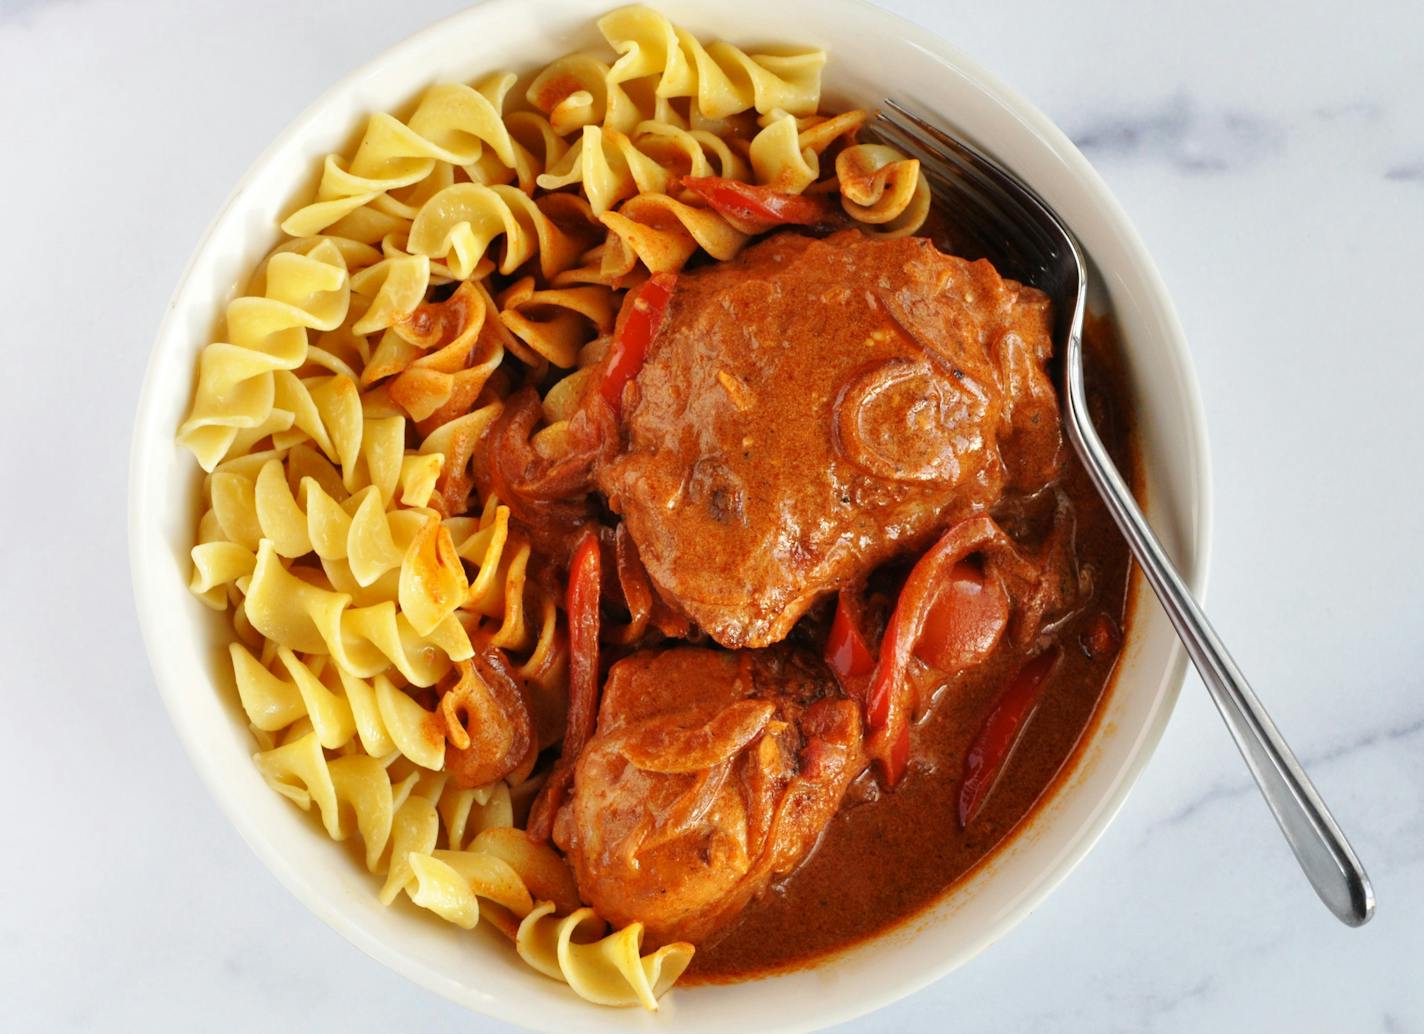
[(710, 774), (818, 407)]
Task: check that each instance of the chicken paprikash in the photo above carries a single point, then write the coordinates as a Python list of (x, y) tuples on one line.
[(840, 600)]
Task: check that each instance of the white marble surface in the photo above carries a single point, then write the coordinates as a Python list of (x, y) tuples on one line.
[(1273, 157)]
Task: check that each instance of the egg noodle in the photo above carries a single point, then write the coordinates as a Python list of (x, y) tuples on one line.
[(483, 242)]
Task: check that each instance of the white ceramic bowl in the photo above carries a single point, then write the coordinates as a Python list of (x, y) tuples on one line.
[(873, 54)]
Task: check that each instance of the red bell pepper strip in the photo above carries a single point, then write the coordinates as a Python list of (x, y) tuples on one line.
[(966, 620), (581, 607), (638, 323), (900, 752), (753, 209), (890, 671), (846, 653), (1001, 729), (889, 703)]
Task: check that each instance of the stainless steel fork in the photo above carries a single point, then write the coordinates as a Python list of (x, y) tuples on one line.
[(1015, 229)]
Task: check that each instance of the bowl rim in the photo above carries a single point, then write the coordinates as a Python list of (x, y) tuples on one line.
[(1198, 528)]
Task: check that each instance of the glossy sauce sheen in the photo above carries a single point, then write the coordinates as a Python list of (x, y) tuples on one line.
[(888, 855)]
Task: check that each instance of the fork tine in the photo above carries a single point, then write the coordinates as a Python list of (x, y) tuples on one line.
[(998, 234), (947, 150), (1016, 208), (1012, 241), (982, 165)]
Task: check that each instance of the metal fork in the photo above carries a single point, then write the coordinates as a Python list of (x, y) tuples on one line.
[(1025, 239)]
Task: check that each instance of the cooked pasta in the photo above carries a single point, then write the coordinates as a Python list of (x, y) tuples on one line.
[(721, 79), (268, 335), (659, 234), (401, 651), (882, 188), (608, 969)]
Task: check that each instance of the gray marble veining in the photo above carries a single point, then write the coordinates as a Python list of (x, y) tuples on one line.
[(1314, 761), (1406, 172), (1182, 133)]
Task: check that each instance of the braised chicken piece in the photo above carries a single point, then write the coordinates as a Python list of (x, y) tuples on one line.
[(817, 407), (710, 774)]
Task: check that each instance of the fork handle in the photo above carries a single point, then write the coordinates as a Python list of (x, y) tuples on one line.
[(1321, 848)]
